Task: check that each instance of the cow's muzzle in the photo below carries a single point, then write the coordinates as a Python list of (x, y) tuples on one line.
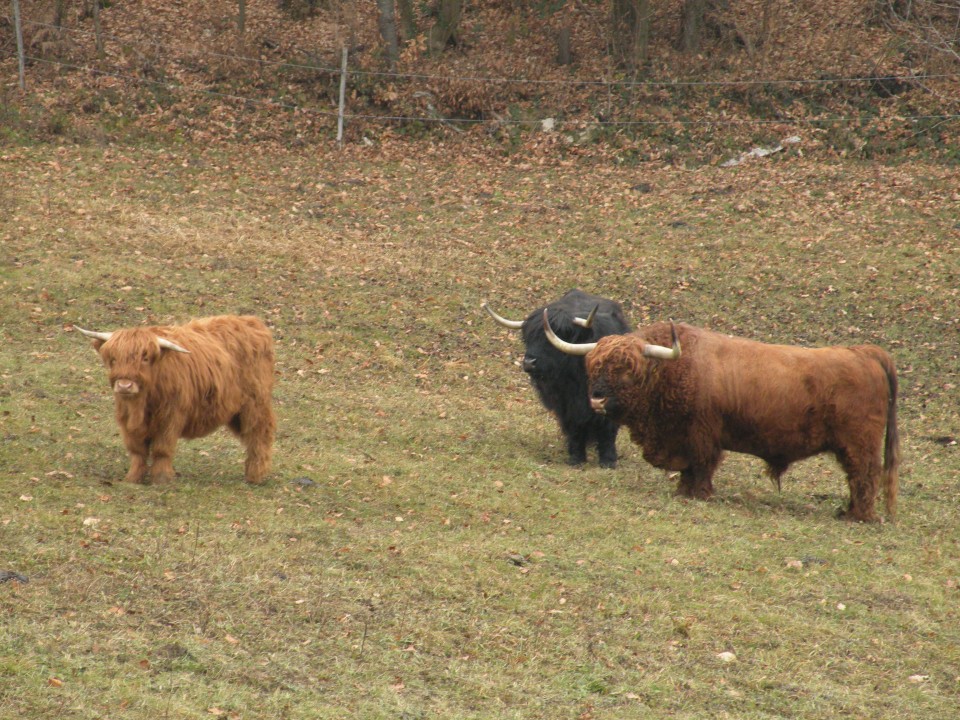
[(599, 405), (126, 387)]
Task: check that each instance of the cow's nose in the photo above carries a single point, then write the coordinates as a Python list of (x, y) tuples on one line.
[(598, 404), (529, 364), (124, 386)]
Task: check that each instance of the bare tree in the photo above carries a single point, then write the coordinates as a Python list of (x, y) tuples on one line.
[(630, 32), (447, 28), (388, 29), (59, 11), (408, 22), (691, 25)]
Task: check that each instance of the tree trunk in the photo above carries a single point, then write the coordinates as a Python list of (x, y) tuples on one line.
[(691, 29), (388, 29), (59, 11), (564, 54), (408, 21), (630, 32), (447, 28)]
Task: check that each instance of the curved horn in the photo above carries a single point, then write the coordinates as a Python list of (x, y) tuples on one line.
[(562, 345), (512, 324), (587, 322), (91, 334), (659, 352), (167, 345)]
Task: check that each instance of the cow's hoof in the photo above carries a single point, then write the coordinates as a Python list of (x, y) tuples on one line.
[(161, 478), (695, 493), (851, 516), (255, 481), (609, 464)]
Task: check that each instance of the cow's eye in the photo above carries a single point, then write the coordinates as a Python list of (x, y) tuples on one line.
[(145, 357)]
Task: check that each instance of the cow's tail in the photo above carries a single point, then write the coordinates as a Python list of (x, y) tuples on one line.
[(891, 446)]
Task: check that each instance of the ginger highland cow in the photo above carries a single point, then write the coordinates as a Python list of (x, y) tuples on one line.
[(185, 381), (777, 402)]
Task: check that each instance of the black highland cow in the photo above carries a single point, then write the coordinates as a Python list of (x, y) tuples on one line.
[(561, 379)]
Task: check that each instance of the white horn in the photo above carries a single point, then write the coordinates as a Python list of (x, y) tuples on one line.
[(587, 321), (562, 345), (512, 324), (167, 345), (658, 352), (91, 334)]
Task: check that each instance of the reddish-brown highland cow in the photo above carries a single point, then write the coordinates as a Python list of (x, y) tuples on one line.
[(778, 402), (185, 381)]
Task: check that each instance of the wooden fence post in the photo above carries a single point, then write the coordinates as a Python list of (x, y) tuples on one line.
[(97, 33), (343, 94), (20, 57)]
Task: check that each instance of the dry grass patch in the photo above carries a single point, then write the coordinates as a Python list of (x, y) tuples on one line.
[(442, 560)]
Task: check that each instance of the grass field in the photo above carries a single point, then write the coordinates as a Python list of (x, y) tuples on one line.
[(445, 562)]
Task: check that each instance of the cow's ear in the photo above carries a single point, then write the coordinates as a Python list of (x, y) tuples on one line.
[(97, 344)]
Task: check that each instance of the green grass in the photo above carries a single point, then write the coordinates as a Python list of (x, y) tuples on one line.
[(447, 563)]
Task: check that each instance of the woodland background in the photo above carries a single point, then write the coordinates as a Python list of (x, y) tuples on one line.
[(645, 79)]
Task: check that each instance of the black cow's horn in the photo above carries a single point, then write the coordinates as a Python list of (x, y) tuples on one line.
[(562, 345), (659, 352), (512, 324), (587, 322)]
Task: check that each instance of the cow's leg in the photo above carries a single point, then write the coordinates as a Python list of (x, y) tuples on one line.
[(576, 444), (138, 467), (138, 449), (162, 449), (696, 481), (255, 425), (863, 479), (607, 445)]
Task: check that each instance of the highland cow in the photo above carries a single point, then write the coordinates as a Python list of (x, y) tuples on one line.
[(185, 381), (560, 380), (777, 402)]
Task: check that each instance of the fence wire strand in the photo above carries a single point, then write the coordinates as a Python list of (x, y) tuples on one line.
[(479, 121)]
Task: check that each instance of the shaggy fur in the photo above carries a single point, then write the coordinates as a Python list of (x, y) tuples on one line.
[(163, 395), (561, 380), (777, 402)]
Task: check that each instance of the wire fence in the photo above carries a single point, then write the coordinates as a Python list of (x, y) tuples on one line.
[(102, 67)]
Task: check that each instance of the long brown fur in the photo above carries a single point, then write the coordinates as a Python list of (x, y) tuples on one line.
[(778, 402), (225, 379)]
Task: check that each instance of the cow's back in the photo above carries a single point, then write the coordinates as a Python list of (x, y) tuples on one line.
[(230, 364), (783, 402)]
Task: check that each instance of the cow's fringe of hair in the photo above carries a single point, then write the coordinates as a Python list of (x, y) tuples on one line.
[(623, 351)]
